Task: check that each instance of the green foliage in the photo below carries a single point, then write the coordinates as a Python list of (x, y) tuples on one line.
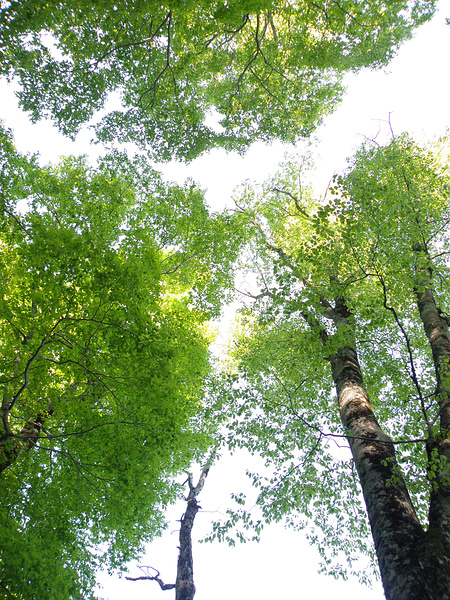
[(358, 248), (265, 69), (108, 280)]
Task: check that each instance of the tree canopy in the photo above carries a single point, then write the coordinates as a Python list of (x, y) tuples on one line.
[(353, 296), (263, 70), (109, 278)]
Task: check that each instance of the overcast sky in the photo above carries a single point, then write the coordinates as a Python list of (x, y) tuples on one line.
[(413, 92)]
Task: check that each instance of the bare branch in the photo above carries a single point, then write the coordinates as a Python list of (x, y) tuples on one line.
[(162, 585)]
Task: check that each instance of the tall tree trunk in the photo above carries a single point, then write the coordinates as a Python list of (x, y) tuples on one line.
[(436, 330), (414, 564), (438, 446)]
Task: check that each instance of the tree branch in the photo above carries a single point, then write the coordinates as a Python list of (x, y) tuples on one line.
[(301, 210), (413, 373), (162, 585)]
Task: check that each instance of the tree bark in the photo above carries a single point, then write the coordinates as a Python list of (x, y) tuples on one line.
[(438, 446), (436, 330), (184, 586), (26, 440), (414, 563)]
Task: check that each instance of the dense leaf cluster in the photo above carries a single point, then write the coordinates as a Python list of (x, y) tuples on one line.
[(262, 69), (108, 278)]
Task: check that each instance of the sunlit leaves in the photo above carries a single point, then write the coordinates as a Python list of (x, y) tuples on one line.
[(362, 251), (265, 69), (108, 281)]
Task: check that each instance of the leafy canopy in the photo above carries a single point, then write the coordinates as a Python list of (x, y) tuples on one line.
[(108, 281), (359, 246), (264, 69)]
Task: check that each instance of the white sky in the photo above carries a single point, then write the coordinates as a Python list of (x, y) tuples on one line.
[(414, 91)]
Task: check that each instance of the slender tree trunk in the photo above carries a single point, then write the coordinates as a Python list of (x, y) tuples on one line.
[(438, 447), (414, 564), (184, 586), (436, 330)]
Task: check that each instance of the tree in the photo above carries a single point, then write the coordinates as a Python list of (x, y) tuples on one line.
[(353, 297), (92, 333), (109, 279), (265, 69), (184, 586)]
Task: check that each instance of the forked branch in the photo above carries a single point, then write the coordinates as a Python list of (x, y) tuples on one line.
[(184, 586)]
